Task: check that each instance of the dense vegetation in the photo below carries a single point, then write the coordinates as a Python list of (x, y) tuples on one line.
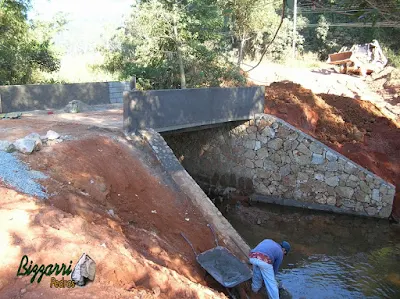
[(201, 43), (25, 48), (191, 43), (196, 43)]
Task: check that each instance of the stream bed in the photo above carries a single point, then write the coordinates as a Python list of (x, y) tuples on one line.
[(333, 256)]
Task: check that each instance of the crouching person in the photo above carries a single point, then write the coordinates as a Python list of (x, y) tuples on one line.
[(266, 259)]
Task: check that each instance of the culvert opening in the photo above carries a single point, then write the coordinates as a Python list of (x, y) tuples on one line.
[(335, 255)]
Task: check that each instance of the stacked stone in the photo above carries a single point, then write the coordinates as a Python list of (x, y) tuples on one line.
[(270, 157), (283, 161)]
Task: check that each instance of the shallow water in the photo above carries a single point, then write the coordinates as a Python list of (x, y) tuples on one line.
[(333, 256)]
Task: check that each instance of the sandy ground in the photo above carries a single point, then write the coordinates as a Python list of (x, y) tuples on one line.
[(110, 200)]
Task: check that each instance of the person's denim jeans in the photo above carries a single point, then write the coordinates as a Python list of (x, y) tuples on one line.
[(263, 271)]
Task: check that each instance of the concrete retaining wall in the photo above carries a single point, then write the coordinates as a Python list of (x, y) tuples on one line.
[(167, 110), (277, 163), (55, 96)]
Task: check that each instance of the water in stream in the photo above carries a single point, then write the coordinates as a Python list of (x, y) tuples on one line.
[(333, 256)]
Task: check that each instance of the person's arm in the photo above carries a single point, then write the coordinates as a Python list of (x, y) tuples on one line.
[(277, 264)]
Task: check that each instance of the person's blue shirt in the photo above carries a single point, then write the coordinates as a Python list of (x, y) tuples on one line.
[(273, 250)]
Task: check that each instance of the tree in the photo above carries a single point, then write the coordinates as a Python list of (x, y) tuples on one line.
[(172, 45), (22, 52)]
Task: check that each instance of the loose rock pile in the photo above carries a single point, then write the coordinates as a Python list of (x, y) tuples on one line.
[(30, 143)]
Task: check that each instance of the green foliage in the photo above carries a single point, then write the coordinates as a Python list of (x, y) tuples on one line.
[(147, 45), (22, 53), (253, 23), (393, 57)]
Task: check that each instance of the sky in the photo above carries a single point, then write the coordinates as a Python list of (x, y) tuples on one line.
[(88, 20)]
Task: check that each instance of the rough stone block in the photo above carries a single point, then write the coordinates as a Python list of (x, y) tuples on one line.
[(292, 136), (330, 156), (259, 163), (353, 178), (283, 132), (332, 166), (251, 129), (302, 177), (350, 183), (332, 181), (317, 159), (262, 174), (252, 136), (287, 145), (285, 170), (250, 144), (262, 153), (25, 146), (359, 207), (375, 195), (250, 154), (249, 164), (345, 192), (350, 168), (387, 199), (275, 144), (6, 146), (268, 132), (371, 211), (316, 148), (301, 158), (304, 149), (391, 191), (331, 200), (269, 165), (319, 176), (385, 211), (262, 124), (289, 180), (361, 196), (364, 187)]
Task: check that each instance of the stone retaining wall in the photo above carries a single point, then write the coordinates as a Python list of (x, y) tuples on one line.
[(269, 157)]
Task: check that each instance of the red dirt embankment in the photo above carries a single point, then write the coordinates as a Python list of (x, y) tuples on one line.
[(107, 203), (355, 128)]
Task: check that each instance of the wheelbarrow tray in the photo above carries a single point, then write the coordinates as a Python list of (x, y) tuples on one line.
[(224, 267)]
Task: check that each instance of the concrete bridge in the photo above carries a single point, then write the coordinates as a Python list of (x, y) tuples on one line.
[(171, 110), (224, 141)]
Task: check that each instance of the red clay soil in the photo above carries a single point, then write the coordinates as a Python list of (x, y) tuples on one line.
[(138, 250), (355, 128)]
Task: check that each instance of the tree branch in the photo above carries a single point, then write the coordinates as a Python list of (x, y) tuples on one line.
[(273, 39)]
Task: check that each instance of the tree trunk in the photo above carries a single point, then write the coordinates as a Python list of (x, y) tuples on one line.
[(179, 53), (241, 46)]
